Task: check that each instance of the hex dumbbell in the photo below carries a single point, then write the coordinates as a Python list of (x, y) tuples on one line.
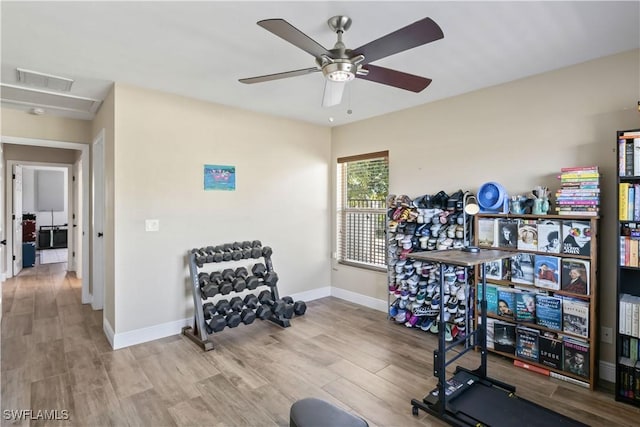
[(213, 322), (224, 286), (262, 311), (259, 269), (277, 307), (299, 307), (267, 251), (231, 317)]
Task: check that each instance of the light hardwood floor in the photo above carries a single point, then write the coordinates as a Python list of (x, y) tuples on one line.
[(56, 357)]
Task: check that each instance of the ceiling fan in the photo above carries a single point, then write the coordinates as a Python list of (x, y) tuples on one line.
[(341, 65)]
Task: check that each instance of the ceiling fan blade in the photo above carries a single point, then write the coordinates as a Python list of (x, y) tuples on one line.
[(288, 32), (413, 35), (332, 93), (395, 78), (278, 76)]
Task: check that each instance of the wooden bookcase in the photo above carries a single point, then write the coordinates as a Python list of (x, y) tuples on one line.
[(530, 254), (628, 270)]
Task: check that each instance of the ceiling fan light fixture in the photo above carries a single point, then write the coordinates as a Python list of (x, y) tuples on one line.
[(339, 71)]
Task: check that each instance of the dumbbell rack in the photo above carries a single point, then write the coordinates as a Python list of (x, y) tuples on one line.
[(197, 259)]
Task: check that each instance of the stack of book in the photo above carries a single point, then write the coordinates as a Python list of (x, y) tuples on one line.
[(579, 192)]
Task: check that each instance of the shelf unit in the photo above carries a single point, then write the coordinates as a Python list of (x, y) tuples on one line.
[(535, 326), (418, 226), (627, 272)]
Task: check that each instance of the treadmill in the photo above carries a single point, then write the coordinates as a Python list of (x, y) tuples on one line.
[(470, 397)]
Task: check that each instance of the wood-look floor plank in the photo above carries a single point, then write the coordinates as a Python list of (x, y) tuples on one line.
[(21, 305), (194, 412), (146, 408), (16, 392), (97, 406), (125, 373), (52, 393), (232, 404), (17, 324)]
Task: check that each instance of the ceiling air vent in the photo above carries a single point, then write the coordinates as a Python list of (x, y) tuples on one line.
[(43, 80), (23, 96)]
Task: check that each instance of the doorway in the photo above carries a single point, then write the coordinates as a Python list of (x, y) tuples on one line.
[(78, 213)]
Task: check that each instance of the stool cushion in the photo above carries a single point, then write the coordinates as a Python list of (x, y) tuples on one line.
[(313, 412)]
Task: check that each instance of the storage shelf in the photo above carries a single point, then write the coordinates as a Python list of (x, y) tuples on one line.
[(591, 339)]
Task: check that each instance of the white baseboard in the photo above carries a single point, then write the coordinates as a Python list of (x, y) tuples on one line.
[(312, 294), (607, 371), (108, 330), (376, 304), (139, 336)]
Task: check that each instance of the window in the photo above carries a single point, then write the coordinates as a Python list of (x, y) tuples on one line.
[(363, 185)]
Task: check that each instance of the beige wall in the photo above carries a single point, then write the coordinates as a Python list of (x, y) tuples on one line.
[(105, 119), (519, 134), (282, 198), (22, 124)]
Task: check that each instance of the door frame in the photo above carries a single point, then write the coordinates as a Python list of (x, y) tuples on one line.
[(97, 220), (84, 159)]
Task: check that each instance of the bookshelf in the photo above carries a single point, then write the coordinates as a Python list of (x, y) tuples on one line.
[(628, 269), (542, 302)]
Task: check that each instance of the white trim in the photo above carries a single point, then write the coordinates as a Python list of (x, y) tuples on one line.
[(376, 304), (312, 294), (607, 371), (139, 336), (108, 330)]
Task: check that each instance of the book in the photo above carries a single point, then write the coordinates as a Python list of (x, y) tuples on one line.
[(575, 316), (527, 343), (576, 237), (636, 156), (527, 235), (506, 302), (490, 332), (507, 233), (549, 236), (547, 272), (493, 269), (576, 357), (549, 311), (529, 367), (504, 337), (522, 268), (487, 232), (492, 298), (575, 276), (550, 350), (623, 200), (525, 306)]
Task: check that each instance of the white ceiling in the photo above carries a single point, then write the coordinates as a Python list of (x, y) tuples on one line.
[(201, 49)]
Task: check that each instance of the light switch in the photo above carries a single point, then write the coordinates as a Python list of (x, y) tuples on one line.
[(152, 225)]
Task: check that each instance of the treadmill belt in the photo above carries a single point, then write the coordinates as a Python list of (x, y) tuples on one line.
[(493, 406)]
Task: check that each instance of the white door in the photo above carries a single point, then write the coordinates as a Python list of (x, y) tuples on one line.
[(76, 219), (17, 219), (98, 222)]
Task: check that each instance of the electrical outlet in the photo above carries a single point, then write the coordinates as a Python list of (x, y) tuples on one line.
[(606, 334), (152, 225)]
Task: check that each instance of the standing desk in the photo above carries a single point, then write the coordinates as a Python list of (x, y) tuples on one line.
[(470, 397)]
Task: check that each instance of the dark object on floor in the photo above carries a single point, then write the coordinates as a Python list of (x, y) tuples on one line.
[(313, 412), (28, 254)]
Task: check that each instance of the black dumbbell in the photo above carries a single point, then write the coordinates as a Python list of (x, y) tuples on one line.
[(262, 311), (209, 290), (271, 278), (299, 307), (246, 244), (227, 252), (277, 307), (236, 246), (224, 286), (267, 251), (246, 253), (253, 282), (242, 273), (237, 255), (217, 254), (247, 316), (231, 317), (259, 269), (198, 257), (256, 244), (256, 252), (215, 324)]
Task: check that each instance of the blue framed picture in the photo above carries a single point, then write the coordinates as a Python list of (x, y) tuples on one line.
[(218, 177)]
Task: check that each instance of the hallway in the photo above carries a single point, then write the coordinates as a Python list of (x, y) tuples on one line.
[(50, 341)]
